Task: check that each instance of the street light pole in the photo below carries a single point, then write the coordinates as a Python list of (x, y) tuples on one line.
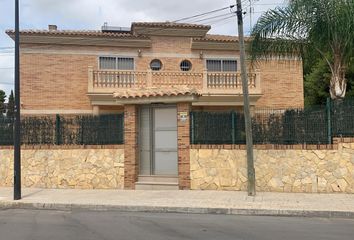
[(246, 105), (17, 129)]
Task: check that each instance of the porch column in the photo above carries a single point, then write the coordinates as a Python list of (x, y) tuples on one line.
[(183, 123), (96, 110), (131, 153)]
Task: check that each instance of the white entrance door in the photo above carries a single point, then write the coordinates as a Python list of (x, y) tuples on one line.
[(158, 141)]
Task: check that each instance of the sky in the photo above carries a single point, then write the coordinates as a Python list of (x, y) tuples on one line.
[(91, 15)]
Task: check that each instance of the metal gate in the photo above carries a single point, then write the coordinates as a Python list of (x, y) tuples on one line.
[(158, 140)]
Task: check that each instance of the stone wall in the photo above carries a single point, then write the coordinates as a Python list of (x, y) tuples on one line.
[(65, 168), (280, 170)]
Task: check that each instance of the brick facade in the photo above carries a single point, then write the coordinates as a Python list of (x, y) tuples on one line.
[(131, 149), (58, 75), (55, 81), (183, 146), (282, 84)]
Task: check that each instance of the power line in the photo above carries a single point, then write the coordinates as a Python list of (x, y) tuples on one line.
[(203, 14), (214, 17), (220, 23), (220, 20), (194, 16)]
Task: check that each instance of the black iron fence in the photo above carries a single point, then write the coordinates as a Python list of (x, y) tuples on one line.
[(313, 125), (6, 131), (69, 130)]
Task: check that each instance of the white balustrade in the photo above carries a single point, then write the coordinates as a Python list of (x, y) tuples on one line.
[(208, 82)]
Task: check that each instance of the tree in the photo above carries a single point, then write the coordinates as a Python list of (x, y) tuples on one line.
[(317, 76), (322, 26), (2, 102), (316, 83), (11, 106)]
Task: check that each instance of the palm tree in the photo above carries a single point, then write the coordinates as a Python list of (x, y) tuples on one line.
[(307, 26)]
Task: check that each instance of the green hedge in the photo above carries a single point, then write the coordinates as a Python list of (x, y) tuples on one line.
[(313, 125), (70, 130)]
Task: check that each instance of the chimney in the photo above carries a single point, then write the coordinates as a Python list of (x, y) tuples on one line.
[(52, 27)]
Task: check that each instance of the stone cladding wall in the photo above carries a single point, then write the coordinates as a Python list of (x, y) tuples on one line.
[(310, 170), (92, 168)]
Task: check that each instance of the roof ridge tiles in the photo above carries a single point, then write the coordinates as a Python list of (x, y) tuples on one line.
[(170, 24)]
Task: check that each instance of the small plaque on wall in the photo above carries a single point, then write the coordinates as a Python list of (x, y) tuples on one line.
[(183, 116)]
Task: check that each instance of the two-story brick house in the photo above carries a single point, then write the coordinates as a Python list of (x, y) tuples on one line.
[(155, 73)]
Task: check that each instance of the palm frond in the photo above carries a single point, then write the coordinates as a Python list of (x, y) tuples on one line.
[(325, 25), (279, 32)]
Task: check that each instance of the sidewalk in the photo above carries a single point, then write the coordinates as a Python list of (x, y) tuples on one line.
[(221, 202)]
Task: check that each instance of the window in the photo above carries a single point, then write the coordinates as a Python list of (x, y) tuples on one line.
[(186, 65), (125, 63), (214, 65), (116, 63), (108, 62), (222, 65), (229, 66), (155, 65)]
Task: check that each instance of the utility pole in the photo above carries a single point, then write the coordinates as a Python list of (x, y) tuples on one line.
[(17, 129), (251, 12), (251, 9), (246, 105)]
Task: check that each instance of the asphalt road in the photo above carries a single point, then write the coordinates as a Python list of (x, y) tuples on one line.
[(18, 224)]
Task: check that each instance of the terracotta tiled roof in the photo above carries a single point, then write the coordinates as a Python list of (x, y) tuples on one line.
[(220, 38), (98, 33), (73, 33), (170, 24), (154, 92)]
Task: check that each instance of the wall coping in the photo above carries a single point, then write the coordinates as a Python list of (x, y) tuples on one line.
[(65, 147), (343, 140), (333, 146)]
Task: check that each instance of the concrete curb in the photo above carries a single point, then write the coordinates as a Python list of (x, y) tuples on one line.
[(166, 209)]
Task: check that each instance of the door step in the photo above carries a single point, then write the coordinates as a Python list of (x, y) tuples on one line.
[(156, 183)]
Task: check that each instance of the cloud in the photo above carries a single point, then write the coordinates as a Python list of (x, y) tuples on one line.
[(93, 13)]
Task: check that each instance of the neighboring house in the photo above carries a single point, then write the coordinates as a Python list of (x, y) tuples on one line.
[(155, 73)]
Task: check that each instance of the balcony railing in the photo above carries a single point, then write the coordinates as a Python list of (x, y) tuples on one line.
[(209, 83)]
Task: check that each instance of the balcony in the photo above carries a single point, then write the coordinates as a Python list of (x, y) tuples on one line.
[(207, 83)]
